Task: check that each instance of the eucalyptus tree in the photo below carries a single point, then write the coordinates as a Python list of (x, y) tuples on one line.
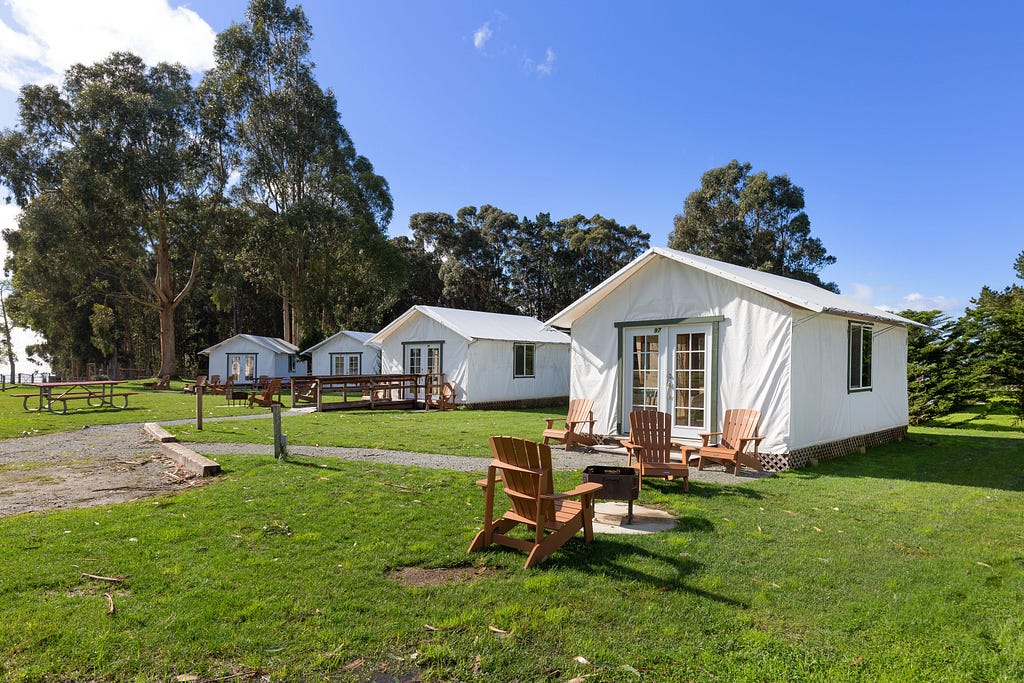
[(752, 220), (125, 161), (316, 209)]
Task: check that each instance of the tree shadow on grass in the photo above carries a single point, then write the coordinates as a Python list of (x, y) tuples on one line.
[(970, 459)]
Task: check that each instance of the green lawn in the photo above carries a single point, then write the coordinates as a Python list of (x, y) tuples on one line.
[(456, 432), (906, 563), (147, 406)]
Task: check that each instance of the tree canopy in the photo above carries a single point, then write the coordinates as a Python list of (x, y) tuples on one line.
[(752, 220)]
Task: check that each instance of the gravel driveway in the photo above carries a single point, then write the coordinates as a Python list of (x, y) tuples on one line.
[(115, 463)]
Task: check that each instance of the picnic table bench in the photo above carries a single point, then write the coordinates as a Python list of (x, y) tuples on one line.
[(54, 396)]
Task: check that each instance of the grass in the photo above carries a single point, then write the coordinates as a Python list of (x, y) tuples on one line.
[(456, 432), (906, 563), (147, 406)]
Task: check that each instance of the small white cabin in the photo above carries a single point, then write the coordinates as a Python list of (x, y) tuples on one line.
[(693, 337), (245, 357), (492, 358), (345, 353)]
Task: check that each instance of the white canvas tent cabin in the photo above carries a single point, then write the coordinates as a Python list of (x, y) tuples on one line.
[(492, 358), (345, 353), (245, 357), (693, 337)]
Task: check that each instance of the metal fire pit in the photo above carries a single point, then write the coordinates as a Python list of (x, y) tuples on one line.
[(619, 483)]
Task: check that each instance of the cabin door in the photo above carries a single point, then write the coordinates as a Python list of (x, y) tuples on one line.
[(424, 359), (668, 369)]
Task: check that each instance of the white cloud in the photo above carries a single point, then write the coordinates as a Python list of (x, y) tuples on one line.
[(20, 336), (545, 68), (482, 35), (919, 302), (861, 292), (51, 35)]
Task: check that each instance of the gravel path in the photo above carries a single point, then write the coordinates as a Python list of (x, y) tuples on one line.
[(114, 463)]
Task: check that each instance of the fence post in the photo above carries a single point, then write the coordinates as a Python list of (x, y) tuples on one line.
[(279, 447), (199, 407)]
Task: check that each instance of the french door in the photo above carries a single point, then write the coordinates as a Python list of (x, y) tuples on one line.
[(424, 359), (670, 369)]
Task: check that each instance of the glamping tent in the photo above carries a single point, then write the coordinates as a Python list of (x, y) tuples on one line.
[(693, 337), (345, 353), (491, 357), (245, 357)]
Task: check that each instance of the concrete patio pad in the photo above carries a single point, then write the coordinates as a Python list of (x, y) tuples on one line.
[(610, 518)]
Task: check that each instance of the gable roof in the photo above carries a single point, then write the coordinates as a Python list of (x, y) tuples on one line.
[(361, 337), (274, 344), (793, 292), (473, 325)]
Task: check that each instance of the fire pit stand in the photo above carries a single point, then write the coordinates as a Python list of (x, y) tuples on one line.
[(620, 483)]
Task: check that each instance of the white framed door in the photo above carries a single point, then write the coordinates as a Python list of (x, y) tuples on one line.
[(670, 369), (424, 359)]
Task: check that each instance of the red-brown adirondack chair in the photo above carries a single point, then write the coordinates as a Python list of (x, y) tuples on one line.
[(445, 399), (163, 382), (580, 417), (650, 445), (200, 382), (739, 429), (524, 470), (266, 397)]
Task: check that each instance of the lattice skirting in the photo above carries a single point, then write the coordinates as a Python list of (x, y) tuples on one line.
[(823, 452), (521, 403)]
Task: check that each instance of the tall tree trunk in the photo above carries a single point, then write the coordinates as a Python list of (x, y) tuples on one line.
[(165, 302), (8, 345)]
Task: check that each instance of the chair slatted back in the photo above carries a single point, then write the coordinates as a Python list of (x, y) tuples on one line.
[(272, 388), (215, 381), (652, 431), (201, 381), (523, 488), (739, 423), (580, 410)]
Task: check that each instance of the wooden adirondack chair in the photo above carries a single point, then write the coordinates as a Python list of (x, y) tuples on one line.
[(650, 445), (200, 382), (445, 399), (524, 469), (163, 382), (580, 417), (213, 386), (739, 429), (266, 398)]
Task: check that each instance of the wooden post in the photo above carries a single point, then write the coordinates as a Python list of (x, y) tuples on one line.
[(199, 408), (279, 451)]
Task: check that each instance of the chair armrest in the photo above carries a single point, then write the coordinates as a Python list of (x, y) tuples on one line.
[(581, 490), (628, 445), (755, 439), (551, 422), (705, 438)]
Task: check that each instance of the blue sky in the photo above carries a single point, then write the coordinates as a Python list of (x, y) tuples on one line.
[(901, 121)]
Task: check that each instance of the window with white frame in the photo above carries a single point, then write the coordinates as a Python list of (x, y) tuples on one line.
[(346, 363), (523, 355), (242, 367), (860, 340)]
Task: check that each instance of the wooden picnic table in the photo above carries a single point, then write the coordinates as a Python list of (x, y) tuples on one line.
[(54, 396)]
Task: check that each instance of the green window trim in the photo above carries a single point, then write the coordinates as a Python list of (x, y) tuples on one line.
[(859, 348), (527, 368), (622, 328)]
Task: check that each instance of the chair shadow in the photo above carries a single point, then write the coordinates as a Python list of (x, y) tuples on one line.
[(612, 558)]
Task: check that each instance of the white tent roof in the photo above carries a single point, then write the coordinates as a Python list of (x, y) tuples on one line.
[(793, 292), (472, 325), (361, 337), (275, 344)]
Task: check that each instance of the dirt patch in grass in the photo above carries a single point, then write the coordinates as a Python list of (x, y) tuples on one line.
[(417, 577), (83, 468)]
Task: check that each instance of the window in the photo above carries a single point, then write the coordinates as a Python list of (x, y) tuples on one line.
[(860, 357), (347, 363), (242, 367), (523, 360), (291, 364), (415, 361)]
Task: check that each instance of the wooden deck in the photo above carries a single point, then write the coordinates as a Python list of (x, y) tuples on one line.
[(354, 392)]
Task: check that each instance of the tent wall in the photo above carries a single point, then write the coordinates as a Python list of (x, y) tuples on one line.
[(342, 343), (753, 346), (491, 379), (421, 329), (267, 362), (824, 410)]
